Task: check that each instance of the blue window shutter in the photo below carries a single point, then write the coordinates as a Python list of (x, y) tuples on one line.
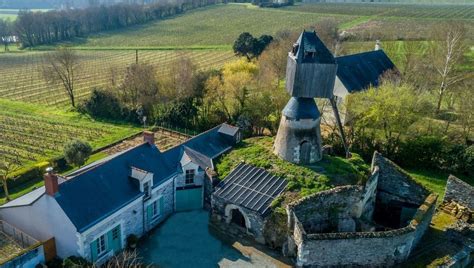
[(110, 241), (162, 205), (149, 213), (94, 246)]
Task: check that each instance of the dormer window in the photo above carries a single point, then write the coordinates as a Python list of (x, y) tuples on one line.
[(189, 177), (144, 179)]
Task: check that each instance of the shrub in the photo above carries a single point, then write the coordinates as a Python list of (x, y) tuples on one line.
[(77, 152), (75, 262), (103, 104)]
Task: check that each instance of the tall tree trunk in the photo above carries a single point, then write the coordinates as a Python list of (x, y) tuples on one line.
[(5, 189)]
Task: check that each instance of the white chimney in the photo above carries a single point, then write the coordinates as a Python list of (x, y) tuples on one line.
[(378, 45)]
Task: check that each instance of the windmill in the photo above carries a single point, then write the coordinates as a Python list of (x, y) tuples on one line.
[(310, 73)]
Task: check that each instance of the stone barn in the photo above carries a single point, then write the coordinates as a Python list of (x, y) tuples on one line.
[(242, 201), (376, 225)]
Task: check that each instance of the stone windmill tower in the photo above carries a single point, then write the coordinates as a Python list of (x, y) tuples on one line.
[(310, 73)]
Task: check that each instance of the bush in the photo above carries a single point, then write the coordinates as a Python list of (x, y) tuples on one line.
[(424, 151), (75, 262), (105, 105), (77, 152)]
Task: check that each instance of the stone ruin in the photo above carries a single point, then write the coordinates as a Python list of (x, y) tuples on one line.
[(378, 224), (459, 200)]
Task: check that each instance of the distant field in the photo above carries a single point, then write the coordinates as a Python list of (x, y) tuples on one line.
[(390, 10), (37, 133), (13, 13), (220, 25), (22, 79), (214, 25)]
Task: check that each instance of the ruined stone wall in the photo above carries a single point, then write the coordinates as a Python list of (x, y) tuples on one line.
[(341, 207), (394, 184), (368, 249), (459, 192)]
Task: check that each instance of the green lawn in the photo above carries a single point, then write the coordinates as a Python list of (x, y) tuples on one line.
[(434, 180), (304, 180)]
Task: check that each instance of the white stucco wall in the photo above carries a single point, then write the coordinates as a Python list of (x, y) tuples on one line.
[(42, 220), (187, 165)]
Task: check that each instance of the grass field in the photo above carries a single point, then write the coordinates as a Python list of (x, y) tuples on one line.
[(22, 79), (38, 134)]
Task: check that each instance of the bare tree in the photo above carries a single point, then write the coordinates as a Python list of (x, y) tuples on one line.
[(61, 67), (8, 165), (181, 76), (140, 87), (125, 259), (445, 56)]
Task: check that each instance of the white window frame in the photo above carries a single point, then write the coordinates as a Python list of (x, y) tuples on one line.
[(188, 172), (146, 190), (100, 251)]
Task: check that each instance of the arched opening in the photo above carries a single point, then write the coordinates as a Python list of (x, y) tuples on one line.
[(238, 218), (305, 152)]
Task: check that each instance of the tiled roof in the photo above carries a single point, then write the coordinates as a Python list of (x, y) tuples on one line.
[(301, 108), (251, 187), (360, 71)]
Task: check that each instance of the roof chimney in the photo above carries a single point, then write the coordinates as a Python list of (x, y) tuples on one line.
[(149, 137), (378, 45), (51, 182)]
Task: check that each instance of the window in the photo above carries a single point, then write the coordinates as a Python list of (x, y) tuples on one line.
[(101, 245), (146, 189), (115, 233), (189, 176), (155, 209)]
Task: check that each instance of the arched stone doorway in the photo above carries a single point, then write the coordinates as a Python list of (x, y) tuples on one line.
[(235, 214), (305, 152), (238, 218)]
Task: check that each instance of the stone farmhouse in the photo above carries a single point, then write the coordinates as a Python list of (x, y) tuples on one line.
[(91, 212)]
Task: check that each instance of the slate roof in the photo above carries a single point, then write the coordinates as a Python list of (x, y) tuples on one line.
[(251, 187), (360, 71), (93, 195), (209, 145), (310, 42), (198, 158), (301, 108), (228, 129)]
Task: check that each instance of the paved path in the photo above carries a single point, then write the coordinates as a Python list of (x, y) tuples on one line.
[(185, 240)]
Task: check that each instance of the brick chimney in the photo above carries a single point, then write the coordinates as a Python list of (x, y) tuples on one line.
[(149, 137), (51, 182)]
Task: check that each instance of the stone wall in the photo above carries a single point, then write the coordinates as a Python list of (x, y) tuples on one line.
[(459, 192), (395, 184), (167, 192), (292, 133), (130, 218), (221, 212), (368, 249)]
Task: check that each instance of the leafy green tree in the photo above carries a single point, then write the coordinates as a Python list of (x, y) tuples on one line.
[(384, 115), (77, 152), (250, 47)]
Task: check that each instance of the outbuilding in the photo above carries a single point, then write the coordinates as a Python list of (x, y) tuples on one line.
[(243, 199)]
